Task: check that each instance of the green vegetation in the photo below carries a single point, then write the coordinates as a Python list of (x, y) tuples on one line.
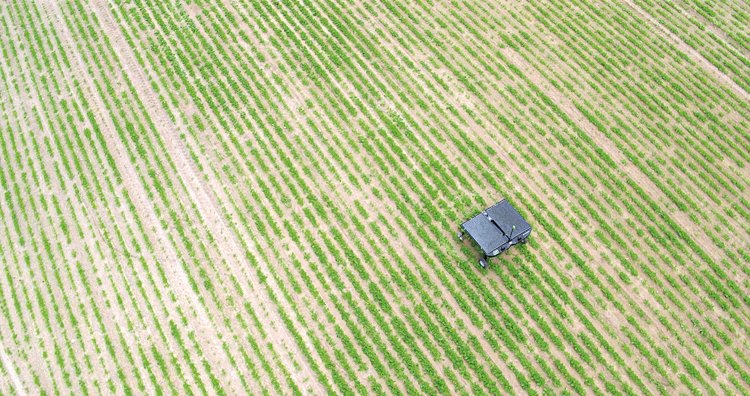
[(253, 197)]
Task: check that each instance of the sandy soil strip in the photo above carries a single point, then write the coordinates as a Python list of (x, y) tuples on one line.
[(8, 364), (205, 329), (566, 105), (716, 30), (46, 225), (203, 200), (691, 52)]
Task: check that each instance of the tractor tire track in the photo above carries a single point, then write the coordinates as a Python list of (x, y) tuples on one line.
[(205, 329), (8, 364), (569, 108), (206, 203), (691, 52)]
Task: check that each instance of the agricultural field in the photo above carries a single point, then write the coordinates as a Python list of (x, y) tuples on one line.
[(251, 197)]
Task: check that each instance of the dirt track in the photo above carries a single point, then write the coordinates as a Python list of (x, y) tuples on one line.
[(609, 147), (689, 51), (206, 203), (292, 177), (205, 328)]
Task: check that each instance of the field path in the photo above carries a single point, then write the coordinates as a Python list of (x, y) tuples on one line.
[(566, 105), (716, 30), (8, 364), (691, 52), (206, 204), (205, 330)]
